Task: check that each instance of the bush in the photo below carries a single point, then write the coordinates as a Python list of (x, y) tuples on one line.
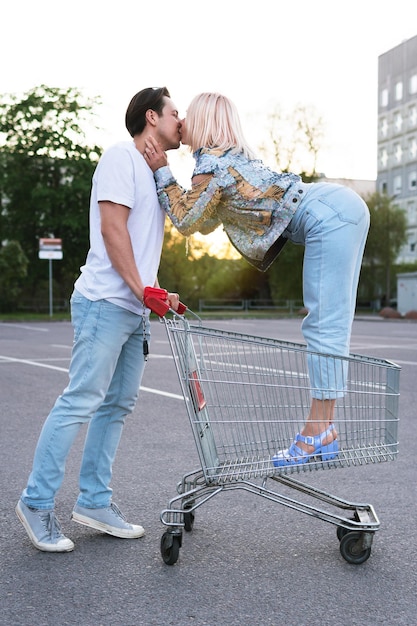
[(390, 313)]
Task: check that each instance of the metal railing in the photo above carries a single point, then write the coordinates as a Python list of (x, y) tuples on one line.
[(290, 306)]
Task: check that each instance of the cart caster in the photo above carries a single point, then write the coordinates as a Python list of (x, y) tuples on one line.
[(341, 532), (189, 517), (170, 547), (351, 547)]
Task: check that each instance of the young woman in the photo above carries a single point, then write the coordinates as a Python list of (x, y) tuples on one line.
[(261, 210)]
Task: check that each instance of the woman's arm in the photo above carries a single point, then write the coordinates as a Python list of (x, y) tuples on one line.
[(190, 211)]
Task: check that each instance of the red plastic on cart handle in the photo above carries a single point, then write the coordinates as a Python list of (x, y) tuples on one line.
[(155, 299), (181, 308)]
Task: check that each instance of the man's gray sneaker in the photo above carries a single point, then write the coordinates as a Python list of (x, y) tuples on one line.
[(109, 520), (43, 529)]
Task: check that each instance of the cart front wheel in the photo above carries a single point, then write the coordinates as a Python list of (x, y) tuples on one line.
[(341, 532), (188, 518), (170, 547), (352, 550)]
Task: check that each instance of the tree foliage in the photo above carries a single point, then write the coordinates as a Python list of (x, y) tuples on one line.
[(13, 271), (286, 274), (45, 177), (387, 234), (187, 268)]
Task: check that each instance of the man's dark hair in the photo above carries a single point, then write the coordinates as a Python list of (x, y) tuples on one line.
[(149, 98)]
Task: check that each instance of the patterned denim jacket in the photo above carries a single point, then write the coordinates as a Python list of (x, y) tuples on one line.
[(253, 203)]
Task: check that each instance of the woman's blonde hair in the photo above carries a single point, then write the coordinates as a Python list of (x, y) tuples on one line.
[(213, 122)]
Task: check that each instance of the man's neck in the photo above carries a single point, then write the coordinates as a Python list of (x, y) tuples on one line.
[(139, 141)]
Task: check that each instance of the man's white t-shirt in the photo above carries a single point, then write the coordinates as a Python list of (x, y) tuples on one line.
[(122, 176)]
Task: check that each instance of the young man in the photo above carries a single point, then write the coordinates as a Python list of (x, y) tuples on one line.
[(111, 330)]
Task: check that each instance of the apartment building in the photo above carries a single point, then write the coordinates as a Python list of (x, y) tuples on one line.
[(397, 135)]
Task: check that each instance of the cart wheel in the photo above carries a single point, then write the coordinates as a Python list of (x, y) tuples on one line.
[(188, 518), (341, 532), (170, 547), (351, 549)]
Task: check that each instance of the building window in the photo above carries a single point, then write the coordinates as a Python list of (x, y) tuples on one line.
[(399, 90), (398, 152), (412, 236), (412, 148), (384, 186), (383, 127), (384, 98), (412, 116), (398, 121), (412, 181), (411, 214), (383, 158), (397, 184), (413, 84)]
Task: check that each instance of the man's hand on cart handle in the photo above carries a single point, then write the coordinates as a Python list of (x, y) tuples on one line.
[(160, 301)]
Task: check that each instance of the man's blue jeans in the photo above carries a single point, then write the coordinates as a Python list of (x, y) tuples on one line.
[(332, 222), (105, 373)]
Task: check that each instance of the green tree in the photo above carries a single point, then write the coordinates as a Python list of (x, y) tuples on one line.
[(176, 268), (13, 269), (387, 233), (285, 276), (45, 178)]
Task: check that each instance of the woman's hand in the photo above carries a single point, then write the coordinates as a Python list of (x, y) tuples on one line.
[(154, 155)]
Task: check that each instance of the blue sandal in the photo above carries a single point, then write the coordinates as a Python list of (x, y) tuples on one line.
[(294, 455)]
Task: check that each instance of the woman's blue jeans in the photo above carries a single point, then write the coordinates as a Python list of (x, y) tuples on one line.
[(332, 223), (105, 373)]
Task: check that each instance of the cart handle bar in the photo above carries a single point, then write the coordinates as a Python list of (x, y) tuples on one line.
[(155, 299)]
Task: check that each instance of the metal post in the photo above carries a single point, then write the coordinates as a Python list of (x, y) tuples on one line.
[(50, 289)]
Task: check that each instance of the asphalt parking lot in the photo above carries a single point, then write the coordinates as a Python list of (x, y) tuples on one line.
[(247, 561)]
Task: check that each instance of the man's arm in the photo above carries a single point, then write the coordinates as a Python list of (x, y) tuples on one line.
[(119, 246)]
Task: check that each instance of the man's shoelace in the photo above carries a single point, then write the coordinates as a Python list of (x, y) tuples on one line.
[(117, 511), (51, 524)]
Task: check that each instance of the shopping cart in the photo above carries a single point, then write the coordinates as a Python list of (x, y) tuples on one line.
[(246, 397)]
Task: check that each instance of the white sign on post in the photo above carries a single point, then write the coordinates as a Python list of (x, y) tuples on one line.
[(50, 249)]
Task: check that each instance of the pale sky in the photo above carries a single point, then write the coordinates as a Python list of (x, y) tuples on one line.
[(260, 53)]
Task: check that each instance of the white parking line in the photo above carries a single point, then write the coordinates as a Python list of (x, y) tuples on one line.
[(162, 393), (158, 392), (20, 326), (34, 363)]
